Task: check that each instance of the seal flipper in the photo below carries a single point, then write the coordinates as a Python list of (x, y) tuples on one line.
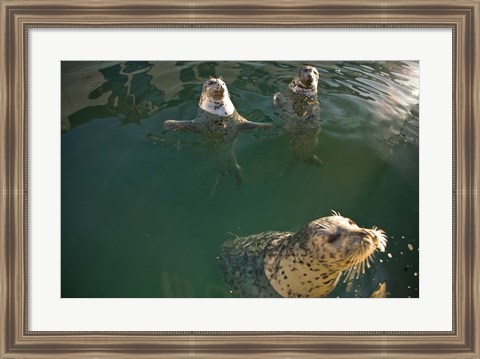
[(247, 125), (180, 125), (244, 124), (380, 291), (218, 180), (314, 160), (278, 101), (236, 173)]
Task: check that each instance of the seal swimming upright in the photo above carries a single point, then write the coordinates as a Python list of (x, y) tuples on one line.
[(219, 122), (299, 112), (308, 263)]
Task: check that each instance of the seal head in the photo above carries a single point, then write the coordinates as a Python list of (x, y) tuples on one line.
[(308, 263), (305, 82), (311, 261), (215, 98)]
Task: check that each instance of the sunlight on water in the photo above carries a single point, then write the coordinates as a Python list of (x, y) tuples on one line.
[(138, 216)]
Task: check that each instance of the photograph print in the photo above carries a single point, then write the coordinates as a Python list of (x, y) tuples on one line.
[(240, 179)]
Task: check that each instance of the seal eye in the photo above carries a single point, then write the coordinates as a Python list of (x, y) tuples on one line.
[(352, 223), (211, 82), (333, 237)]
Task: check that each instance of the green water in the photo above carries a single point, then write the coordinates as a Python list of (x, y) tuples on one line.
[(137, 216)]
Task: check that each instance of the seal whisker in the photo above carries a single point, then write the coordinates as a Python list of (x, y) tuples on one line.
[(370, 259), (351, 272), (362, 271), (335, 213), (355, 271), (323, 226), (347, 274)]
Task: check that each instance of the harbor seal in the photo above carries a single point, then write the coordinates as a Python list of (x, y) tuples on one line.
[(219, 122), (308, 263), (299, 112)]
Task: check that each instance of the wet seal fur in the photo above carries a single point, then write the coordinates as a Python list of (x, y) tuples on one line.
[(299, 112), (308, 263), (219, 122)]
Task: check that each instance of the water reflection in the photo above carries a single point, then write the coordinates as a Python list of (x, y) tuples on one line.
[(382, 93), (123, 91), (409, 130)]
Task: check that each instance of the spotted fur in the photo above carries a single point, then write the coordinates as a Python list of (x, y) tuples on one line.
[(308, 263)]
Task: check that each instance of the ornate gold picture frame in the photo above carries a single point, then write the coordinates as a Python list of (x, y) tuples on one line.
[(17, 17)]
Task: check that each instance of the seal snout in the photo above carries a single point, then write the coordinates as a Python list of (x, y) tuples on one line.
[(373, 239), (215, 88), (379, 239)]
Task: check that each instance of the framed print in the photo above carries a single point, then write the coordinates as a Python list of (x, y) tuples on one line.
[(195, 179)]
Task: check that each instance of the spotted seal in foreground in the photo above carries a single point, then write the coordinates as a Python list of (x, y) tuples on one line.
[(299, 112), (219, 122), (308, 263)]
